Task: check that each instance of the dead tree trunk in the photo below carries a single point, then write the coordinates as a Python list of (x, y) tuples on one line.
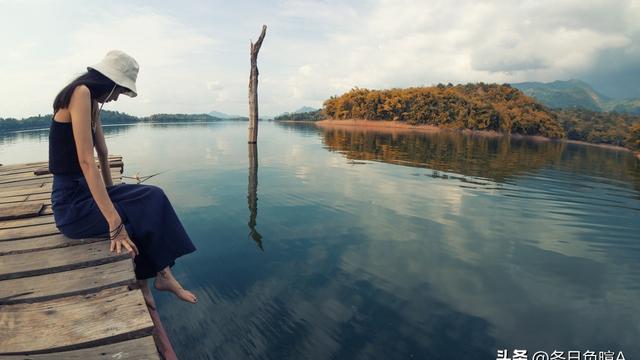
[(253, 88), (252, 195)]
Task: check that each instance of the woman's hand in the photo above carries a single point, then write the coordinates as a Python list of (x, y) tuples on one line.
[(122, 240)]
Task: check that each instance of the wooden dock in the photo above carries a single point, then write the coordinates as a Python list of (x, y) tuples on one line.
[(63, 298)]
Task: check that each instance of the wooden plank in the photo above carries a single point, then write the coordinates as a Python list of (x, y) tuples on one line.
[(42, 243), (39, 182), (39, 196), (24, 175), (21, 198), (25, 183), (28, 232), (37, 169), (67, 283), (136, 349), (5, 168), (26, 190), (43, 202), (48, 178), (36, 164), (69, 323), (17, 211), (12, 199), (54, 260), (42, 219)]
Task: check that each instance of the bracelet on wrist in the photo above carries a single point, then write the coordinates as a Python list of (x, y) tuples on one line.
[(115, 232)]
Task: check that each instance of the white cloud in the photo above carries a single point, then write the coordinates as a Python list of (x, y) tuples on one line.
[(194, 58), (412, 43)]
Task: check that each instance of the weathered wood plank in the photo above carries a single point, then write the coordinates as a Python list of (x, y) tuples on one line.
[(32, 182), (42, 243), (18, 211), (115, 166), (68, 323), (23, 175), (12, 199), (43, 202), (40, 182), (136, 349), (21, 198), (30, 177), (28, 232), (38, 169), (26, 190), (42, 219), (67, 283), (46, 201), (10, 167), (54, 260)]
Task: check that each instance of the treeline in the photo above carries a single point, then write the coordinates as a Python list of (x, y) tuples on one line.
[(601, 128), (181, 117), (472, 106), (304, 116), (107, 117), (44, 121)]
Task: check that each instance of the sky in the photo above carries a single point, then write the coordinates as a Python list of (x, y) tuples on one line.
[(194, 55)]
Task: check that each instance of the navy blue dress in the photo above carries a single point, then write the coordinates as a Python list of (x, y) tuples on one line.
[(149, 217)]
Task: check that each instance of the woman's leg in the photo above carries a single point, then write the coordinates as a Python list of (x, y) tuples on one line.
[(166, 282), (150, 222)]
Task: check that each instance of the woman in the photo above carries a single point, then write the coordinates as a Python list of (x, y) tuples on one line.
[(138, 218)]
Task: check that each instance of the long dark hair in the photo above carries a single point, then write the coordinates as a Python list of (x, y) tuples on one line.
[(97, 83)]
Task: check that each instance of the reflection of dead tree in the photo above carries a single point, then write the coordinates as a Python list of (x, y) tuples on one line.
[(252, 196), (253, 88)]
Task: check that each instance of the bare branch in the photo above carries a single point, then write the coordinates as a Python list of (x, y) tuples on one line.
[(256, 47)]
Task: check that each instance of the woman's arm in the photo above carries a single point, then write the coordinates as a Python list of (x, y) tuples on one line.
[(80, 109), (101, 148)]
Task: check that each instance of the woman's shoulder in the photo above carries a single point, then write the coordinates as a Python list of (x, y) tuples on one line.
[(81, 90), (80, 97)]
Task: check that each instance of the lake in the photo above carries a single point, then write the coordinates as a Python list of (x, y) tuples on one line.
[(345, 244)]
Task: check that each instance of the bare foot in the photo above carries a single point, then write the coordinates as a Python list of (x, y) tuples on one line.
[(166, 282)]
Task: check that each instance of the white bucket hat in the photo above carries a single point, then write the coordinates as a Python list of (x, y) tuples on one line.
[(121, 68)]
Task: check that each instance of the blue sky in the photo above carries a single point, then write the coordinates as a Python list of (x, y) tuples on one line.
[(193, 55)]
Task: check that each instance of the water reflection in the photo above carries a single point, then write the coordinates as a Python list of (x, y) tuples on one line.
[(493, 158), (252, 195)]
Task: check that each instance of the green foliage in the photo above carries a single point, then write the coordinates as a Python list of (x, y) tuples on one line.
[(107, 117), (629, 106), (304, 116), (471, 106), (178, 118), (633, 140), (602, 128), (30, 123)]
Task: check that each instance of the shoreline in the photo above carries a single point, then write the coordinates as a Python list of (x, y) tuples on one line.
[(395, 127)]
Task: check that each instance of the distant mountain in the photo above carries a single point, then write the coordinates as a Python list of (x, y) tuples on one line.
[(221, 115), (305, 109), (576, 94)]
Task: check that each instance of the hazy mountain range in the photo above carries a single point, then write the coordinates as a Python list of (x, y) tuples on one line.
[(576, 94), (221, 115)]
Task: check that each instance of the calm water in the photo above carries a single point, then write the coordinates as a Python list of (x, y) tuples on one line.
[(351, 245)]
